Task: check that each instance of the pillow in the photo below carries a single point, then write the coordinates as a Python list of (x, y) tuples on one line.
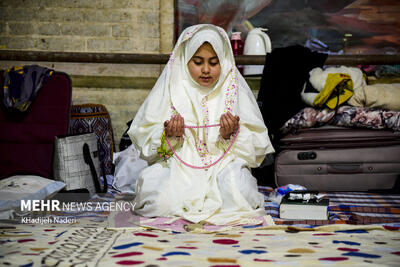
[(23, 187)]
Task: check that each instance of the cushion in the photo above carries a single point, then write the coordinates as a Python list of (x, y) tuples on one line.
[(25, 187)]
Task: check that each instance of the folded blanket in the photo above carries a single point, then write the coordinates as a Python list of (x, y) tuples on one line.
[(377, 95), (347, 116)]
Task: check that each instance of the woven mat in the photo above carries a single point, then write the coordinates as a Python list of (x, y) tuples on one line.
[(347, 208)]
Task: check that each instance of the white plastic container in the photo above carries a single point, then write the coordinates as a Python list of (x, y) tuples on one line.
[(257, 43)]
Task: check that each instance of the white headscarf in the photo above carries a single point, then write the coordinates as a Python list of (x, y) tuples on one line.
[(175, 91), (183, 88)]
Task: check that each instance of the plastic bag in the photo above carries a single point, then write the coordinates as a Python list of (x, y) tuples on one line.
[(278, 193), (128, 165)]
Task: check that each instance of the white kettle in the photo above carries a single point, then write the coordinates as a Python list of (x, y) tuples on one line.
[(257, 43)]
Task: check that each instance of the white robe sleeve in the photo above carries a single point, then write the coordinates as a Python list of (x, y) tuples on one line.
[(148, 125), (252, 143)]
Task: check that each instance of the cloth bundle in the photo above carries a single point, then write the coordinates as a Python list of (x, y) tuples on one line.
[(21, 85), (345, 80), (351, 86), (338, 89)]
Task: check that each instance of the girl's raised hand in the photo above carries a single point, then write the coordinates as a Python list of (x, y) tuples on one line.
[(175, 127), (229, 125)]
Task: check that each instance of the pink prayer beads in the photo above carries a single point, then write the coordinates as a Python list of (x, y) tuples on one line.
[(212, 164)]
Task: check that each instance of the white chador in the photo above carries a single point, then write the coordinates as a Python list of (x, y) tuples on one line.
[(226, 192)]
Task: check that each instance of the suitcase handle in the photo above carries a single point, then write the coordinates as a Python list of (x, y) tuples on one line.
[(344, 168)]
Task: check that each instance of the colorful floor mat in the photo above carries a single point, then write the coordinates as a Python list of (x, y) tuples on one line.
[(363, 230), (287, 246)]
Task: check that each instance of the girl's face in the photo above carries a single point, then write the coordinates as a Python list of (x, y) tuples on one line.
[(204, 66)]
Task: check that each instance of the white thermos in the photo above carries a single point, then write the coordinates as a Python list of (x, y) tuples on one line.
[(257, 43)]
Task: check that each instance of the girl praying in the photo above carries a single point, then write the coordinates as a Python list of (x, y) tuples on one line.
[(201, 131)]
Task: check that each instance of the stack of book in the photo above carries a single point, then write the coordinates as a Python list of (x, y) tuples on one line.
[(304, 205)]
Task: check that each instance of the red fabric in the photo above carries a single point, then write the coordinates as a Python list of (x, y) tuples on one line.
[(26, 146)]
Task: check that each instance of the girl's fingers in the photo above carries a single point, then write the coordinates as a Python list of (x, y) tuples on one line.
[(232, 123), (171, 126), (175, 126), (182, 125), (224, 122), (167, 128), (229, 122), (235, 119), (179, 125), (235, 122), (225, 131)]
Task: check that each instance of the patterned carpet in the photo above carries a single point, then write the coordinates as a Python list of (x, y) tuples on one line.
[(363, 230), (287, 246)]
